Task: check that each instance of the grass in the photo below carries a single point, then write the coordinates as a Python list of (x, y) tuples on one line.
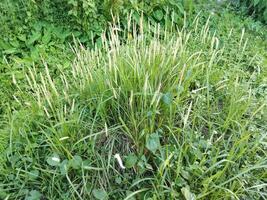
[(155, 113), (184, 110)]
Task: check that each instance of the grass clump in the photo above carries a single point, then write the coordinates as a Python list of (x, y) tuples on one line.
[(169, 103)]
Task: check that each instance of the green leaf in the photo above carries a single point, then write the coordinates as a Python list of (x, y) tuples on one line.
[(187, 194), (46, 37), (34, 53), (34, 37), (185, 174), (256, 2), (167, 98), (64, 167), (53, 160), (38, 26), (153, 143), (158, 14), (14, 43), (22, 37), (118, 180), (180, 7), (4, 45), (76, 162), (33, 174), (3, 194), (73, 2), (10, 51), (188, 5), (131, 160), (34, 195), (265, 15), (100, 194)]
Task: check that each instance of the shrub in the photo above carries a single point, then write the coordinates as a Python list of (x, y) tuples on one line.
[(90, 17), (257, 8)]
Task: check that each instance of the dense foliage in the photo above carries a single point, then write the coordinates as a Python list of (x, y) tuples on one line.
[(155, 104), (89, 18), (257, 8)]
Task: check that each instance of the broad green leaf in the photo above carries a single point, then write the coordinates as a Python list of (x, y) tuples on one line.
[(34, 37), (185, 174), (46, 37), (158, 14), (22, 37), (15, 43), (180, 7), (118, 180), (167, 98), (34, 195), (10, 51), (3, 193), (100, 194), (73, 2), (38, 26), (153, 142), (130, 161), (265, 15), (187, 194), (64, 167), (4, 45), (53, 160), (256, 2), (188, 5), (76, 162), (33, 174), (34, 53)]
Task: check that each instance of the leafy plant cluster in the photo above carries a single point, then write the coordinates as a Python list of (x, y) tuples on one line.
[(257, 8), (91, 17)]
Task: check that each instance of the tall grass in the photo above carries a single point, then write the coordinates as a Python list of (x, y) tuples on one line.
[(168, 103)]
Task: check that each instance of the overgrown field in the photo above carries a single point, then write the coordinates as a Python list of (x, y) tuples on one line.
[(167, 102)]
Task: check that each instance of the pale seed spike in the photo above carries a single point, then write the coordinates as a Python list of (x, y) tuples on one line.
[(142, 26), (72, 106), (196, 19), (38, 94), (52, 85), (230, 33), (29, 82), (156, 94), (46, 112), (33, 75), (186, 117), (245, 45), (241, 39)]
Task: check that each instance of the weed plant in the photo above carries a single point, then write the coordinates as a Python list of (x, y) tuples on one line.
[(180, 113)]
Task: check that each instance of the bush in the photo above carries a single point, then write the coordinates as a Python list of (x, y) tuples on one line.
[(91, 17), (257, 8)]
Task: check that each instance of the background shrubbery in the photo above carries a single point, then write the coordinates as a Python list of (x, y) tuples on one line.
[(256, 8), (87, 17), (25, 25)]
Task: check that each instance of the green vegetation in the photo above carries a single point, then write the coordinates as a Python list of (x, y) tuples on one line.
[(156, 104), (257, 8)]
